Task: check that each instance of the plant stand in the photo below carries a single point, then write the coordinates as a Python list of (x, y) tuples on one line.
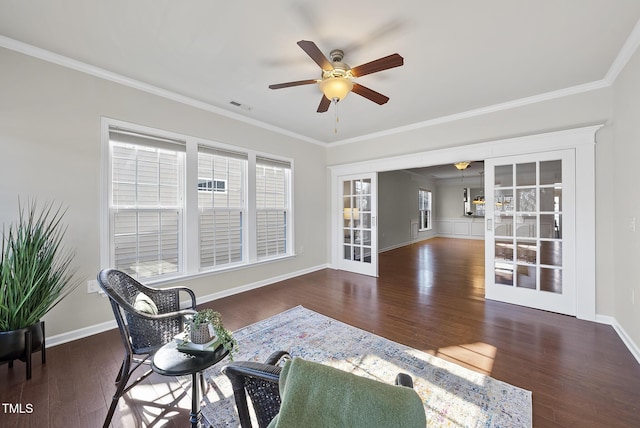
[(20, 344)]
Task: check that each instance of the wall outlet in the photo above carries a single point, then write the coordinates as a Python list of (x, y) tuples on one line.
[(632, 224), (633, 297), (92, 286)]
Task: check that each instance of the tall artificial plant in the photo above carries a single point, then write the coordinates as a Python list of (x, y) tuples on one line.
[(36, 272)]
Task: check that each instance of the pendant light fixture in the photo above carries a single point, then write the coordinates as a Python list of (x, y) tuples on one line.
[(462, 165), (479, 200)]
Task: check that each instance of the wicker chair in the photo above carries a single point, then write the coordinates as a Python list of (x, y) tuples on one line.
[(260, 382), (142, 333)]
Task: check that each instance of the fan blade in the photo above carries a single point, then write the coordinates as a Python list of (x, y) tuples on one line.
[(314, 52), (379, 64), (370, 94), (324, 104), (296, 83)]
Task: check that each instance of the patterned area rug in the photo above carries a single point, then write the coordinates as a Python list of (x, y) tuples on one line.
[(453, 396)]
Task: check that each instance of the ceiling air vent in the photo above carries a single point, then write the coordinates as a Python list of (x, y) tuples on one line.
[(240, 105)]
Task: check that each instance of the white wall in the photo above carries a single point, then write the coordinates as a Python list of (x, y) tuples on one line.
[(624, 204), (450, 194), (50, 150), (450, 221), (398, 206)]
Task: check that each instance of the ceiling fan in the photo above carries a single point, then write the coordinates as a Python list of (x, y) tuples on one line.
[(337, 77)]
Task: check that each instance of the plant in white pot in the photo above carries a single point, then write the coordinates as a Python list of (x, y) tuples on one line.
[(36, 273), (207, 325)]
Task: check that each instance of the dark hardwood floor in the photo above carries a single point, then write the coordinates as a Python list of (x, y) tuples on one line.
[(428, 296)]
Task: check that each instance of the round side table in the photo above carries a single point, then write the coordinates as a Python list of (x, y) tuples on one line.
[(169, 361)]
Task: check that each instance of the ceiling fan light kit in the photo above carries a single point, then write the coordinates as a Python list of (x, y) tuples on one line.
[(337, 77), (336, 88)]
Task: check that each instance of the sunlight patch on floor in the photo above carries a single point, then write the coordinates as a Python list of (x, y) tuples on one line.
[(478, 356), (156, 402)]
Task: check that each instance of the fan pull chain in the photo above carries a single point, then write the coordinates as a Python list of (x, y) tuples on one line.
[(335, 129)]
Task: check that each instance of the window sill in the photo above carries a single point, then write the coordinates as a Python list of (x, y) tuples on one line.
[(174, 279)]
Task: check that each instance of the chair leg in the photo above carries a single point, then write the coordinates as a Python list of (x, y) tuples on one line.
[(240, 397), (119, 376), (121, 381)]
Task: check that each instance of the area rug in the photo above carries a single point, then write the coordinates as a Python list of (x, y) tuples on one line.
[(453, 396)]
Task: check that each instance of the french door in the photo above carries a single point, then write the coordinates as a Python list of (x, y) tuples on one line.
[(530, 230), (358, 234)]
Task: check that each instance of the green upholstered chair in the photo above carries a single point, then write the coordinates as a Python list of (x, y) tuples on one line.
[(308, 394)]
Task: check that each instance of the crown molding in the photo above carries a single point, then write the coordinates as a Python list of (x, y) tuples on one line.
[(628, 49), (101, 73), (573, 90), (626, 52)]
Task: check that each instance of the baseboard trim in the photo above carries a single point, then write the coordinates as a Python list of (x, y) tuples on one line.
[(404, 244), (258, 284), (478, 238), (626, 339), (605, 319), (81, 333), (631, 345)]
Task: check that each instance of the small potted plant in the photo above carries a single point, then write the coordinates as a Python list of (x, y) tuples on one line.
[(206, 325)]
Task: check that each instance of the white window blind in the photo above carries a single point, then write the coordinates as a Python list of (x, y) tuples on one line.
[(222, 214), (424, 206), (146, 205), (177, 205), (272, 207)]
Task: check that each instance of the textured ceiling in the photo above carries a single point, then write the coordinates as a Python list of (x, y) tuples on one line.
[(459, 55)]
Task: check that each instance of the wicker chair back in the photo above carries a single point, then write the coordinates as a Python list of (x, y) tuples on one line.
[(145, 332)]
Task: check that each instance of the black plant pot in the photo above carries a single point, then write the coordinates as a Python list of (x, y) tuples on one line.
[(21, 343)]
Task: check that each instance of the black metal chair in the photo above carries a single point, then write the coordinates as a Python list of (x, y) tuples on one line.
[(260, 381), (142, 331)]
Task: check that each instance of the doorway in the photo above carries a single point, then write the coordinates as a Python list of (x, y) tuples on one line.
[(580, 140)]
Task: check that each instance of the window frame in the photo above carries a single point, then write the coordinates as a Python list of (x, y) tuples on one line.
[(428, 212), (189, 252)]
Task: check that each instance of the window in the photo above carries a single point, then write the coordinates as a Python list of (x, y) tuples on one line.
[(424, 206), (146, 203), (272, 206), (179, 205), (221, 209)]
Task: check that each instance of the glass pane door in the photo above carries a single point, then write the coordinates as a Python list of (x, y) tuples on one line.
[(358, 250), (530, 255)]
